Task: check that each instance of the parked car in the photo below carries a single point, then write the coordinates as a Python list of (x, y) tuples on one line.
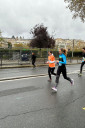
[(24, 57)]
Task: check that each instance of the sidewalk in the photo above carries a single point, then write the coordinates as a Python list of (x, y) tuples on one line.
[(20, 64)]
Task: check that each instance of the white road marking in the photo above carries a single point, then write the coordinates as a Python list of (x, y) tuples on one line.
[(23, 78), (19, 98), (35, 77), (75, 72)]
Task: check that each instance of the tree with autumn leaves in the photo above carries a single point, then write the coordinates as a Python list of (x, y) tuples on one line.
[(77, 7)]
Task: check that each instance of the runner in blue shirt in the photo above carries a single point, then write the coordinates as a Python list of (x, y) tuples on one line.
[(62, 68)]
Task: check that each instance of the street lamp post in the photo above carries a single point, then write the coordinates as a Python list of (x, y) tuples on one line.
[(73, 49)]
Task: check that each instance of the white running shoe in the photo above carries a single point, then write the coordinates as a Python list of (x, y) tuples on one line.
[(54, 89), (72, 82)]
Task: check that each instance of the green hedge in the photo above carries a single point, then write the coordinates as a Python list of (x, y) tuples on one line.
[(7, 54), (75, 54)]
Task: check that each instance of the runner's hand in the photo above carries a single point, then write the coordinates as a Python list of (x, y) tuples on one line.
[(47, 62), (57, 61)]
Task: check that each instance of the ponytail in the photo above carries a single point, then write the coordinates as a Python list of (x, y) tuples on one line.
[(83, 48), (64, 51)]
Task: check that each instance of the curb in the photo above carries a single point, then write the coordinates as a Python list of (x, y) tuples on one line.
[(30, 76), (72, 63), (22, 77), (27, 66)]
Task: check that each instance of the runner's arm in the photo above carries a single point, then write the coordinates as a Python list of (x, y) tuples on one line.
[(64, 60)]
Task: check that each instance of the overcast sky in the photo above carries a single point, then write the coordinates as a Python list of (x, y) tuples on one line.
[(17, 17)]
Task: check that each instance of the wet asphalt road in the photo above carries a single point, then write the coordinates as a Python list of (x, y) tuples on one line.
[(16, 72), (30, 103)]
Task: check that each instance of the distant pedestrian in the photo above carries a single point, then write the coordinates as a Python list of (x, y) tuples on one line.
[(62, 68), (51, 68), (83, 61), (33, 60)]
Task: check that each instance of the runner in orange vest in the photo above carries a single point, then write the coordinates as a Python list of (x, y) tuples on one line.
[(51, 68)]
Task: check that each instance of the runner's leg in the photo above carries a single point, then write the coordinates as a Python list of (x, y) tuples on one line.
[(82, 64), (52, 71), (58, 75), (49, 72), (65, 76)]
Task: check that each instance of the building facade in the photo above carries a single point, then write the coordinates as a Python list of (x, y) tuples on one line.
[(69, 44), (17, 40), (59, 43)]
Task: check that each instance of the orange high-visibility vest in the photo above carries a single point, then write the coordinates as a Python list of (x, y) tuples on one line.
[(51, 58)]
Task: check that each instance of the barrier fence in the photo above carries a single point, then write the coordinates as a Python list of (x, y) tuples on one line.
[(23, 56)]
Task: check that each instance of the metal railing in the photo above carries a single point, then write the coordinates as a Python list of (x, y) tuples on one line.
[(23, 57)]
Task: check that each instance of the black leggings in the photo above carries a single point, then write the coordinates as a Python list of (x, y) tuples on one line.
[(51, 71), (33, 63), (82, 64), (62, 69)]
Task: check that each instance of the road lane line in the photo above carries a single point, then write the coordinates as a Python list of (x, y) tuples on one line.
[(22, 78), (32, 76)]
